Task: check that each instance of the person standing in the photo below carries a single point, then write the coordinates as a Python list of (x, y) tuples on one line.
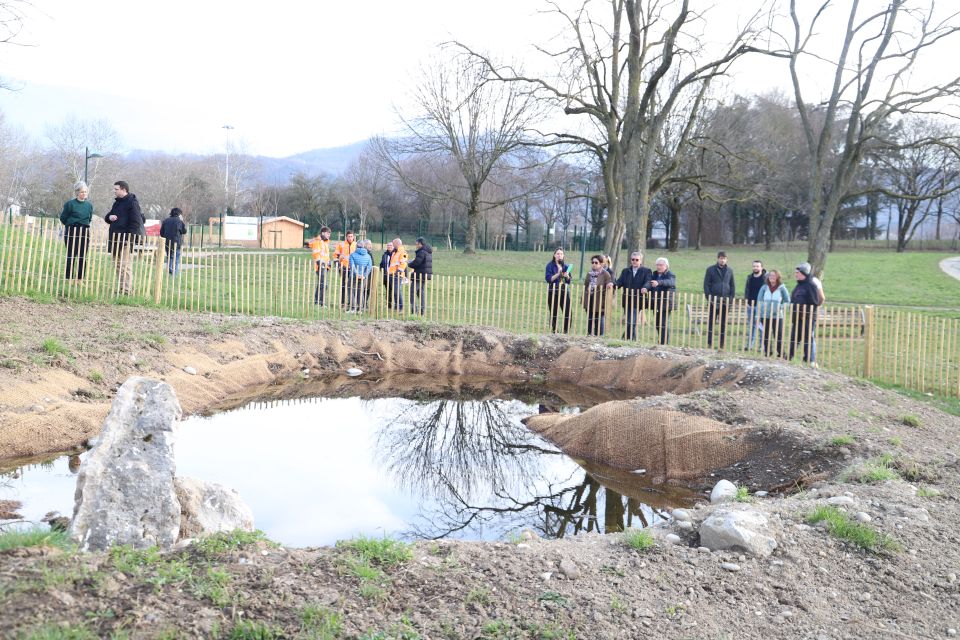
[(385, 271), (662, 287), (595, 286), (422, 268), (320, 254), (804, 299), (76, 217), (126, 226), (771, 300), (361, 264), (632, 282), (755, 282), (341, 254), (397, 273), (172, 230), (719, 288), (558, 276)]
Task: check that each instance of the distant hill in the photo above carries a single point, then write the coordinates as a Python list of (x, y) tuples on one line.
[(332, 161)]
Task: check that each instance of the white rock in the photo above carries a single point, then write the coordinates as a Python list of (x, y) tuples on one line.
[(207, 508), (685, 526), (761, 494), (862, 516), (190, 370), (841, 501), (722, 491), (125, 491), (681, 515), (744, 530), (730, 566), (863, 597), (353, 372), (673, 538)]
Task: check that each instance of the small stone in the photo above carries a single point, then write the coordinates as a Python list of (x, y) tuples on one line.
[(730, 566), (685, 526), (353, 372), (523, 546), (546, 575), (704, 549), (761, 494), (681, 515), (862, 516), (863, 597), (722, 491), (673, 538), (190, 370), (569, 569), (63, 598), (952, 632), (841, 501), (527, 534), (951, 578)]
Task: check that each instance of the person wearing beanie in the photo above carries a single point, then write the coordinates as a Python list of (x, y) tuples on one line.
[(172, 230), (804, 301)]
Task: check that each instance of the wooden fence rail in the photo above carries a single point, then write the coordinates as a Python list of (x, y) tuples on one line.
[(915, 351)]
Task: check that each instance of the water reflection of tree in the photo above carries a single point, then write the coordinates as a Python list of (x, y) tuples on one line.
[(485, 469)]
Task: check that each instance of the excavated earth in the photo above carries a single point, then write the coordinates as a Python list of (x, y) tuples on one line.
[(807, 435)]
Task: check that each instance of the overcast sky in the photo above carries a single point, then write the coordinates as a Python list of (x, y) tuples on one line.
[(288, 76)]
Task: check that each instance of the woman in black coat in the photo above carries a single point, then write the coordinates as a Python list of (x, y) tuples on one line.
[(662, 287)]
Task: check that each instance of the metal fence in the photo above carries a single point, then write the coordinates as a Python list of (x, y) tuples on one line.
[(917, 351)]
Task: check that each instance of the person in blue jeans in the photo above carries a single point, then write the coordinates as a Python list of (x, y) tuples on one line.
[(172, 230)]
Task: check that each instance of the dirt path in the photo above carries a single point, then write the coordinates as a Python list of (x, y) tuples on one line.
[(813, 585)]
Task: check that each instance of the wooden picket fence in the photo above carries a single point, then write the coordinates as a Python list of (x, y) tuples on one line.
[(913, 350)]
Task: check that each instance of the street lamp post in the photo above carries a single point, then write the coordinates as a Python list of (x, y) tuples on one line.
[(86, 162), (226, 183)]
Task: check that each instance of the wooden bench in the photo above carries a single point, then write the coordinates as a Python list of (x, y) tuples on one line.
[(827, 317)]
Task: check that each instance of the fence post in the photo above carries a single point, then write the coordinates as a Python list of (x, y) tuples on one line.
[(158, 270), (868, 341)]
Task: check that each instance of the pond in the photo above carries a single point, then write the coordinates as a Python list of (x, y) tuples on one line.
[(413, 464)]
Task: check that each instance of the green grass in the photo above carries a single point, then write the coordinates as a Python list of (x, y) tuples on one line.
[(842, 441), (910, 420), (927, 492), (58, 632), (319, 623), (879, 469), (384, 552), (36, 537), (255, 630), (95, 376), (742, 495), (53, 348), (224, 542), (841, 526), (946, 404), (638, 539)]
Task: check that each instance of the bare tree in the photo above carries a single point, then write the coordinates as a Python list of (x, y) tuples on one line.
[(628, 69), (463, 117), (12, 15), (870, 88), (74, 137), (362, 181)]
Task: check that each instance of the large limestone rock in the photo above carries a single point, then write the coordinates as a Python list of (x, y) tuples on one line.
[(125, 492), (743, 530), (207, 507)]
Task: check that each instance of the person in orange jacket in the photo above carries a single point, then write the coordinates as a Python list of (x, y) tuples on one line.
[(397, 274), (341, 254), (320, 253)]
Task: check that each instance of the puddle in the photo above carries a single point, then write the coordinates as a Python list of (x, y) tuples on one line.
[(400, 461)]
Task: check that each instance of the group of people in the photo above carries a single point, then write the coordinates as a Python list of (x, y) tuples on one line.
[(126, 228), (642, 289), (352, 261)]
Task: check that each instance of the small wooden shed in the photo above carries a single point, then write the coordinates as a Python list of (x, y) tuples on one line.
[(282, 232)]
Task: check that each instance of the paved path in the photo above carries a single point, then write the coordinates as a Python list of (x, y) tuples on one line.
[(951, 266)]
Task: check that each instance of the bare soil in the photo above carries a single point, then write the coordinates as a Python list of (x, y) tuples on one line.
[(813, 586)]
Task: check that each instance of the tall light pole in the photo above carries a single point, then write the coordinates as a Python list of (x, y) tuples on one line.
[(226, 182), (86, 162)]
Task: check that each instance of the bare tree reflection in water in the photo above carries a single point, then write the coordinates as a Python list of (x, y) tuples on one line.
[(484, 468)]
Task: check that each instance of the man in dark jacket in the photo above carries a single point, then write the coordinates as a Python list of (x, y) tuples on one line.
[(385, 271), (126, 227), (632, 281), (172, 231), (719, 288), (803, 311), (755, 282), (422, 267)]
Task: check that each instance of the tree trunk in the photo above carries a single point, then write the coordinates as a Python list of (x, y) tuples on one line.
[(673, 244), (473, 218)]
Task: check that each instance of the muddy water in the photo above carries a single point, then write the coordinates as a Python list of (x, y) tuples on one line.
[(318, 469)]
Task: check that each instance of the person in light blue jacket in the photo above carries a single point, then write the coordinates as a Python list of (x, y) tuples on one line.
[(361, 265), (771, 301)]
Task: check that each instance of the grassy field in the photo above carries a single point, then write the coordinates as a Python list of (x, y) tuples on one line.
[(862, 277)]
